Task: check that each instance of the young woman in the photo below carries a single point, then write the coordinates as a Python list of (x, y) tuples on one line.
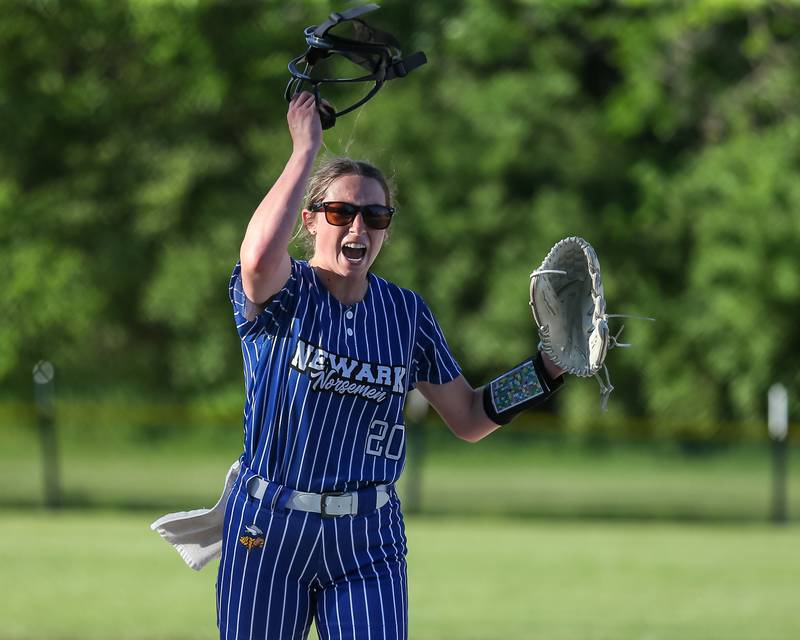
[(313, 527)]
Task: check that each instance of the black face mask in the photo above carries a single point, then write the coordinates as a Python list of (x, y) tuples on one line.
[(376, 51)]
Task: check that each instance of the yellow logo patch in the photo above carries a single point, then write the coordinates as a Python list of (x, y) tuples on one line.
[(251, 543)]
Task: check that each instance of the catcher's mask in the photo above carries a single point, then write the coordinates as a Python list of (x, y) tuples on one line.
[(376, 51)]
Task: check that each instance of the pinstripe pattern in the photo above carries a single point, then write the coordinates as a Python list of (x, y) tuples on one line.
[(348, 572), (325, 386), (314, 440)]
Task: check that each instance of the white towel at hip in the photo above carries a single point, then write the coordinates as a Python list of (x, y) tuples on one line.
[(197, 534)]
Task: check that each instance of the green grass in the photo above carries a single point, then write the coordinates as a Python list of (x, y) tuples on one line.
[(519, 538), (507, 478), (104, 575), (502, 475)]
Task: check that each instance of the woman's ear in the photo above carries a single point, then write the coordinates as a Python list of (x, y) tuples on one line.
[(310, 222)]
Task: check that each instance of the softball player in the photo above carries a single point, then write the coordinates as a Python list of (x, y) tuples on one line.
[(313, 526)]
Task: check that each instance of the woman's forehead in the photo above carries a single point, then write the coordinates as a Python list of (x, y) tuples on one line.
[(356, 189)]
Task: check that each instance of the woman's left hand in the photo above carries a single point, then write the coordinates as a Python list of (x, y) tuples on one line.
[(552, 368)]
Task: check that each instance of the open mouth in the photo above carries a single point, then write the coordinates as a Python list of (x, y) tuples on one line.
[(354, 251)]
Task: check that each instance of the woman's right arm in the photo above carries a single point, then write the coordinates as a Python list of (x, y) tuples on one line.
[(264, 252)]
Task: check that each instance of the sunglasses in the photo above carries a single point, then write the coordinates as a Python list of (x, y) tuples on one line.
[(339, 214)]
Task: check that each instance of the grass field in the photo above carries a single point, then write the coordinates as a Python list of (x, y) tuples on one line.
[(93, 575), (501, 475), (516, 538)]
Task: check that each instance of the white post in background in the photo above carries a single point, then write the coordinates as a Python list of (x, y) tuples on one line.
[(416, 410), (778, 425)]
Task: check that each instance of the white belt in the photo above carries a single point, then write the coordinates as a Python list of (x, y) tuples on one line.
[(327, 504)]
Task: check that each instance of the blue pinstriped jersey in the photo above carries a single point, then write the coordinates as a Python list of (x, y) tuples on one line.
[(325, 383)]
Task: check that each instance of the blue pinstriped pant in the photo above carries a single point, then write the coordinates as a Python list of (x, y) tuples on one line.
[(281, 568)]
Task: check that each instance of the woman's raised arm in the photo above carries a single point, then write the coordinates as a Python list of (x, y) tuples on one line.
[(264, 252)]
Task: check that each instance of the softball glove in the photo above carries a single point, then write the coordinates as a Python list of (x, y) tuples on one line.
[(569, 309)]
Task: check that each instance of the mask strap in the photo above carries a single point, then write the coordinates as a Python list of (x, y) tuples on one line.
[(337, 17)]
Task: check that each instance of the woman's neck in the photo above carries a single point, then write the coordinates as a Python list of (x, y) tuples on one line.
[(345, 290)]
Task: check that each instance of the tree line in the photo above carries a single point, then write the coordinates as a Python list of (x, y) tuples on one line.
[(138, 137)]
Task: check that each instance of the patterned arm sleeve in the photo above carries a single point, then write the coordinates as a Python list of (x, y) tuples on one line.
[(432, 362)]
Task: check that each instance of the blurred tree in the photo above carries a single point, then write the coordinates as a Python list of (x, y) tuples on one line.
[(139, 136)]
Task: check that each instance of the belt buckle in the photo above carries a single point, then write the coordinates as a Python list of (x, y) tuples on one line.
[(323, 500)]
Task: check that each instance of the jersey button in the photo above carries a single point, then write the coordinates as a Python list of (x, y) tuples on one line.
[(349, 315), (349, 331)]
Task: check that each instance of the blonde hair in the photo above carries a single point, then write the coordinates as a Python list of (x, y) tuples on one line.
[(327, 172)]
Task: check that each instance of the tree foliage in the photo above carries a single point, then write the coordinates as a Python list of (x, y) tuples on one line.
[(138, 137)]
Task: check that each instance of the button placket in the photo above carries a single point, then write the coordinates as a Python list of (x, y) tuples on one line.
[(349, 316)]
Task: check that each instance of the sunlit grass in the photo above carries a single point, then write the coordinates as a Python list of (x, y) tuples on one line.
[(105, 574)]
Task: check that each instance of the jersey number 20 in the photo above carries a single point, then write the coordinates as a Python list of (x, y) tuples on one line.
[(385, 442)]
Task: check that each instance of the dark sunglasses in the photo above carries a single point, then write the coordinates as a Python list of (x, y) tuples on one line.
[(339, 214)]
